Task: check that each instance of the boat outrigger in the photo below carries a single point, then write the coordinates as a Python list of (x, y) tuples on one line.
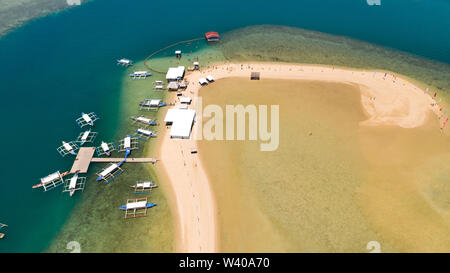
[(151, 104), (74, 184), (124, 62), (105, 149), (2, 235), (144, 120), (87, 119), (109, 173), (140, 74), (67, 148), (143, 186), (86, 137), (51, 181), (136, 207), (145, 132), (128, 144)]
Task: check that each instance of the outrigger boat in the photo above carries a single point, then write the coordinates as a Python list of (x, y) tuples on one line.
[(110, 172), (124, 62), (145, 132), (67, 148), (2, 235), (143, 186), (140, 74), (151, 104), (73, 184), (51, 181), (105, 148), (137, 205), (87, 119), (86, 136), (144, 120)]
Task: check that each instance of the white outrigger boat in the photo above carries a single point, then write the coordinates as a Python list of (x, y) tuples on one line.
[(124, 62), (140, 74), (105, 149), (110, 172), (51, 181), (67, 148), (75, 183), (143, 186), (136, 207), (86, 137), (86, 119), (144, 120), (145, 132), (128, 144), (2, 235)]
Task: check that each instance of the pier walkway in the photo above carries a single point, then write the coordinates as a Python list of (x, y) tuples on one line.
[(85, 157)]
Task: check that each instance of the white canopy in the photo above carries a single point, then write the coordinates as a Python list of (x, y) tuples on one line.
[(154, 102), (137, 205), (185, 100), (105, 147), (50, 178), (210, 78), (127, 142), (203, 81), (85, 135), (182, 121), (108, 170), (175, 73), (87, 118)]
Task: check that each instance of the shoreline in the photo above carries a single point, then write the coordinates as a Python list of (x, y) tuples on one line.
[(387, 99)]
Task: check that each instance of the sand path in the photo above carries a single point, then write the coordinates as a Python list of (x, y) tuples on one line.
[(387, 99)]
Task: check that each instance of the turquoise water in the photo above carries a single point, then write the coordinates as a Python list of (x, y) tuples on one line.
[(63, 64)]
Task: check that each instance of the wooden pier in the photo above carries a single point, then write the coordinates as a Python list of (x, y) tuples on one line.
[(129, 160), (83, 160), (86, 155)]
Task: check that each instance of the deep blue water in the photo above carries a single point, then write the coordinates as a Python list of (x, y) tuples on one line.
[(58, 66)]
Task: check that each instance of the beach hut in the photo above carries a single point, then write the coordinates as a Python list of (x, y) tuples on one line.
[(183, 85), (254, 76), (196, 66), (181, 121), (186, 100), (173, 86), (212, 36), (175, 73)]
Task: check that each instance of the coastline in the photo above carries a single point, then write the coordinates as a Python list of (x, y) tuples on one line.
[(387, 100)]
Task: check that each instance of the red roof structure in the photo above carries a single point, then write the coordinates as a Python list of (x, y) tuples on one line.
[(212, 36)]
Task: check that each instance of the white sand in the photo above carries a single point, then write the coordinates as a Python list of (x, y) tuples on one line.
[(387, 100)]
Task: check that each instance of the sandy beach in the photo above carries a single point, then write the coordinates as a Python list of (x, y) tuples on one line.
[(387, 100)]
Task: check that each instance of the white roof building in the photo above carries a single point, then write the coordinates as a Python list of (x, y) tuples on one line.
[(175, 73), (182, 121), (185, 99)]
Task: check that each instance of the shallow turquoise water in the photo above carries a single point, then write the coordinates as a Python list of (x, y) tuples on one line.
[(56, 67)]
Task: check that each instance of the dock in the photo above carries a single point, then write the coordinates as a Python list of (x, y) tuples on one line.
[(83, 160), (128, 160), (85, 157)]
